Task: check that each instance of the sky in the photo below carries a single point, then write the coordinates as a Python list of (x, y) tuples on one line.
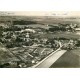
[(41, 13)]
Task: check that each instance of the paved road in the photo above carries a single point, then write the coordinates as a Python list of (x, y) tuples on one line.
[(48, 61)]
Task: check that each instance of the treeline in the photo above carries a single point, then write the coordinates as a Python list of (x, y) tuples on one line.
[(1, 31), (22, 22), (12, 29), (57, 29)]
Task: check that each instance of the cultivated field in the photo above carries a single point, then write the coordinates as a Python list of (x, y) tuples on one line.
[(60, 35), (71, 59)]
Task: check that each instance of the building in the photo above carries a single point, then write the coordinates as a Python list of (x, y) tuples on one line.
[(77, 31)]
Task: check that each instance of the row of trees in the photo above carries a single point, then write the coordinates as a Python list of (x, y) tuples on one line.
[(57, 29), (23, 22), (63, 27)]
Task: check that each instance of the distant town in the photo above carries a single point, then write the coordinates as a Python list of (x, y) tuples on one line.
[(26, 43)]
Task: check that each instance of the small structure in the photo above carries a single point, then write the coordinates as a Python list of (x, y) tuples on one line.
[(28, 30), (77, 30)]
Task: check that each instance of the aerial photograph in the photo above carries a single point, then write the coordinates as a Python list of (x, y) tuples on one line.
[(39, 40)]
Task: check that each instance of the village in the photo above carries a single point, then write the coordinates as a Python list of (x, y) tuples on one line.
[(30, 44)]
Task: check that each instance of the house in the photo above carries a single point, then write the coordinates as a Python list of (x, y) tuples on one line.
[(77, 31), (28, 30)]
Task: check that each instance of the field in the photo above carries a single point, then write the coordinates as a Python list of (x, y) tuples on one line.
[(71, 59), (6, 55), (60, 35), (42, 19)]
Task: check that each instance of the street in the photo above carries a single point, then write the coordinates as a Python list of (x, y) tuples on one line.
[(48, 61)]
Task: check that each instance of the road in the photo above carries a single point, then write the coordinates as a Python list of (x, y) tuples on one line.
[(48, 61)]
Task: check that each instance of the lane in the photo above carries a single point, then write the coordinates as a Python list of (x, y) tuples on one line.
[(45, 60), (48, 61)]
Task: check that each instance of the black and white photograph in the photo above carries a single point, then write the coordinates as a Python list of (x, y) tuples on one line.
[(30, 39), (39, 40)]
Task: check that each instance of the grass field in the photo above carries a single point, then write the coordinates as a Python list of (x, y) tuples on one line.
[(39, 26), (62, 34), (71, 59), (6, 55), (42, 19)]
